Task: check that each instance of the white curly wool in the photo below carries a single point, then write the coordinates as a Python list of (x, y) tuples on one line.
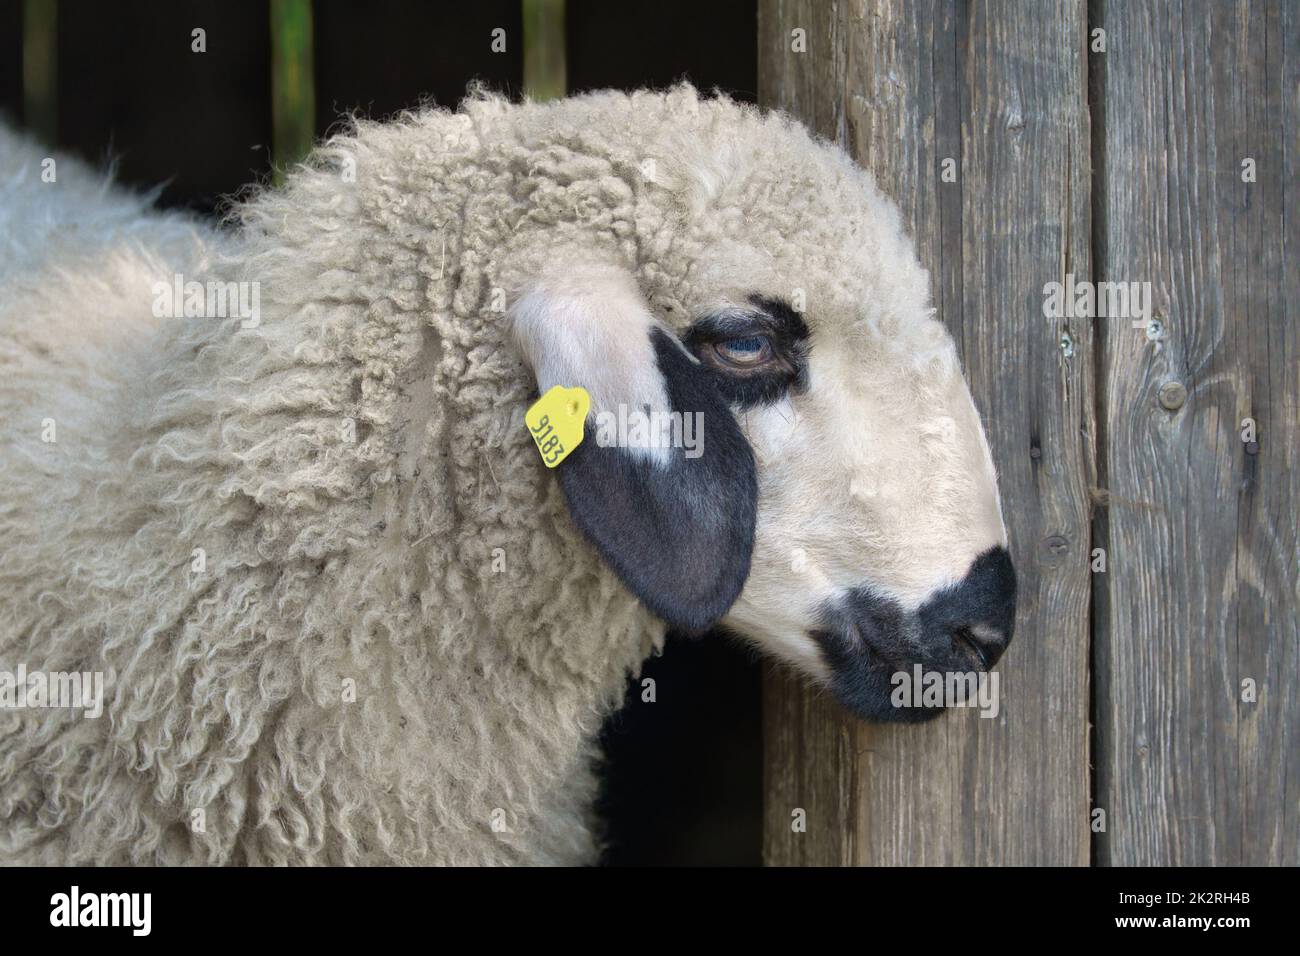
[(341, 611)]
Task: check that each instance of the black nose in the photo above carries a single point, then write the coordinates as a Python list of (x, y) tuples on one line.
[(868, 639), (977, 615)]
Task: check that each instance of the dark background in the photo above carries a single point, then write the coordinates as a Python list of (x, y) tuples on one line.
[(683, 774)]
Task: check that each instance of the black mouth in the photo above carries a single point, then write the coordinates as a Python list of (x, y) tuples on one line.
[(964, 635), (871, 644)]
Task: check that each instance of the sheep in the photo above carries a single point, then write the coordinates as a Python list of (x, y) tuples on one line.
[(344, 612)]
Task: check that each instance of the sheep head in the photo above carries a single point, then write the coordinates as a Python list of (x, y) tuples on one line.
[(781, 440)]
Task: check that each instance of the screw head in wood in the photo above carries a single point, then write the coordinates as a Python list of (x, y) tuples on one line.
[(1172, 395)]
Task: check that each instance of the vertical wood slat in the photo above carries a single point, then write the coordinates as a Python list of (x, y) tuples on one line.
[(40, 68), (544, 49), (1001, 88), (293, 83), (1203, 543)]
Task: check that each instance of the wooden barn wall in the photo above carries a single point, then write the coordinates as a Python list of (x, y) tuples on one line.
[(1115, 165), (1202, 582), (1001, 89)]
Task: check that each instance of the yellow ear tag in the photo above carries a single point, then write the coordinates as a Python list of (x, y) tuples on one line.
[(556, 421)]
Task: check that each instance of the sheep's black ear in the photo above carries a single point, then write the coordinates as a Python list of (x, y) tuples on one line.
[(677, 526)]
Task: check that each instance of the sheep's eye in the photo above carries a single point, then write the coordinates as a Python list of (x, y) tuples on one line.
[(755, 355), (744, 352)]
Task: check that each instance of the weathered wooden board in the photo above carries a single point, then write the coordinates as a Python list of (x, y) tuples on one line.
[(1002, 89), (1202, 542)]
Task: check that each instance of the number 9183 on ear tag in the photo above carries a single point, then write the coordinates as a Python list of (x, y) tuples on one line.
[(555, 422)]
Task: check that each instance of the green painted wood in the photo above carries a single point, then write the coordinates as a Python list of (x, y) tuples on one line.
[(293, 79), (40, 68), (544, 58)]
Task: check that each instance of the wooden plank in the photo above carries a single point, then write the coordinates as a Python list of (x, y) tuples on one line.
[(293, 84), (40, 68), (1001, 88), (1203, 543), (11, 60), (544, 71)]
